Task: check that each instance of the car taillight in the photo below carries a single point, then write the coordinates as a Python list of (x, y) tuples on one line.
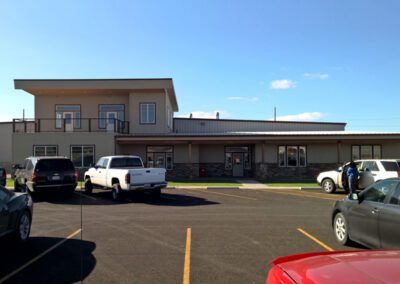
[(75, 176), (127, 178), (33, 177), (398, 173)]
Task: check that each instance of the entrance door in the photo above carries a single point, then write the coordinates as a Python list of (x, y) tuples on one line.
[(159, 159), (237, 168), (110, 121), (68, 121)]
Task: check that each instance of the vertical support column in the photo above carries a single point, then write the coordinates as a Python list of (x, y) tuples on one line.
[(190, 159), (339, 152)]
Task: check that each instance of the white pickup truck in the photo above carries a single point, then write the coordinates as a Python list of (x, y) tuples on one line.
[(124, 173)]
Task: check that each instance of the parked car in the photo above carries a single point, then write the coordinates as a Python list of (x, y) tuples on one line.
[(46, 174), (16, 211), (124, 173), (332, 267), (371, 217), (370, 172), (3, 177)]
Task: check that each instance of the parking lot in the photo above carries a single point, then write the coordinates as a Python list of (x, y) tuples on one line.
[(186, 236)]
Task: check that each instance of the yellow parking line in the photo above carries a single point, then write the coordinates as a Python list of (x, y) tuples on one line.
[(186, 266), (220, 193), (280, 191), (325, 246), (39, 256)]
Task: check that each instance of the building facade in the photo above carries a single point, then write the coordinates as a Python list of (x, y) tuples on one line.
[(87, 119)]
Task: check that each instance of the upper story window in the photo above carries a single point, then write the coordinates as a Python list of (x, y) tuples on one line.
[(147, 113), (68, 116), (109, 113)]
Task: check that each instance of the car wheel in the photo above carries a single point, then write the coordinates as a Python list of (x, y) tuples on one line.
[(328, 185), (23, 227), (88, 186), (116, 192), (341, 229)]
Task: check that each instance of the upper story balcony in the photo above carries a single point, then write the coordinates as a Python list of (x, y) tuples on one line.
[(69, 124)]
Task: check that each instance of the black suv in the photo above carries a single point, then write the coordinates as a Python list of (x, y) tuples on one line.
[(40, 174)]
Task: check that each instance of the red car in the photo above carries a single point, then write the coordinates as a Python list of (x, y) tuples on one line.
[(368, 266)]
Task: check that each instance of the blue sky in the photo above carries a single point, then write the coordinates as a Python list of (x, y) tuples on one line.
[(313, 60)]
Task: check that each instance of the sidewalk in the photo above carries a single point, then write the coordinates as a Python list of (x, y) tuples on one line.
[(246, 184)]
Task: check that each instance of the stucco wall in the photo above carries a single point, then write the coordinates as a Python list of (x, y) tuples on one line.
[(6, 145), (391, 151), (23, 143), (212, 153)]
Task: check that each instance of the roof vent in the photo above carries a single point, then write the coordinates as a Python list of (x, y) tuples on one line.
[(217, 115)]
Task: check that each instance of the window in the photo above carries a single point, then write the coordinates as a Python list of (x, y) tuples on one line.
[(45, 150), (292, 156), (107, 113), (102, 163), (126, 163), (82, 156), (378, 192), (230, 150), (395, 199), (160, 157), (148, 113), (365, 152), (68, 114), (370, 165)]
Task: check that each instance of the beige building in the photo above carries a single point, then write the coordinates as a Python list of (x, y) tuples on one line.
[(87, 119)]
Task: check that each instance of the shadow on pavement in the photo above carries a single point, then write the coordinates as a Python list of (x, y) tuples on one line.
[(104, 198), (70, 262)]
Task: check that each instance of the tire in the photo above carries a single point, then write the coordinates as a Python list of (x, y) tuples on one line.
[(116, 192), (88, 186), (23, 228), (16, 186), (328, 185), (341, 229)]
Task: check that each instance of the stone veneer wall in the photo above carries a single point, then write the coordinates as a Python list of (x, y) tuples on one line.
[(274, 172)]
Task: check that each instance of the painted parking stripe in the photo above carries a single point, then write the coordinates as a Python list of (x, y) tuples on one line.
[(87, 196), (220, 193), (5, 278), (280, 191), (325, 246), (186, 266)]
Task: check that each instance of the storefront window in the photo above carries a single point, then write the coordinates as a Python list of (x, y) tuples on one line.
[(160, 157), (292, 156)]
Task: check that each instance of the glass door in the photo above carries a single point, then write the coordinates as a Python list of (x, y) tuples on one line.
[(111, 116), (68, 121), (159, 159), (238, 167)]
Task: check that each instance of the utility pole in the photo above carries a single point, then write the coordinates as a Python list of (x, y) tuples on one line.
[(23, 114), (274, 113)]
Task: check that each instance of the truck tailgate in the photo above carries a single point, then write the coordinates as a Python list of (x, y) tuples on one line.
[(147, 176)]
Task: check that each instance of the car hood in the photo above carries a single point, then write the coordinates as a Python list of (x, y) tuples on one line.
[(329, 173), (344, 267)]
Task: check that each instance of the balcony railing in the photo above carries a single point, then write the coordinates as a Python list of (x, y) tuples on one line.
[(111, 125)]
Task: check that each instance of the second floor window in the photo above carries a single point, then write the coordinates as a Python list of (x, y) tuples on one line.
[(68, 116), (109, 113), (147, 113)]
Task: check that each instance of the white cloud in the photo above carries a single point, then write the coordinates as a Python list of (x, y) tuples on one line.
[(320, 76), (305, 116), (252, 99), (282, 84), (204, 114)]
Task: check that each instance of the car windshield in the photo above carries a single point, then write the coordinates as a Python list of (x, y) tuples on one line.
[(126, 163), (390, 166), (54, 165)]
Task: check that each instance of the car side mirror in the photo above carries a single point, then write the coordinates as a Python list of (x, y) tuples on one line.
[(16, 166), (355, 197), (340, 169), (96, 167)]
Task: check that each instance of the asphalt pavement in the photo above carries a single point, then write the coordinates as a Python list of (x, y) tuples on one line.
[(185, 236)]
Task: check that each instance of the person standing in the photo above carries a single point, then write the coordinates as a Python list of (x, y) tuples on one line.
[(352, 174)]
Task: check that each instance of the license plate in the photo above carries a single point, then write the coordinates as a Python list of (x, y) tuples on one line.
[(56, 178)]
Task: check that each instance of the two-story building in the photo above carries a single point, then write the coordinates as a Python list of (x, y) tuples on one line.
[(87, 119)]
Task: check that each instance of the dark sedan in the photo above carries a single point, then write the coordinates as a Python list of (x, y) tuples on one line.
[(371, 217), (15, 214)]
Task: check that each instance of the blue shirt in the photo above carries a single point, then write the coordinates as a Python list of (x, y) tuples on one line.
[(352, 172)]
